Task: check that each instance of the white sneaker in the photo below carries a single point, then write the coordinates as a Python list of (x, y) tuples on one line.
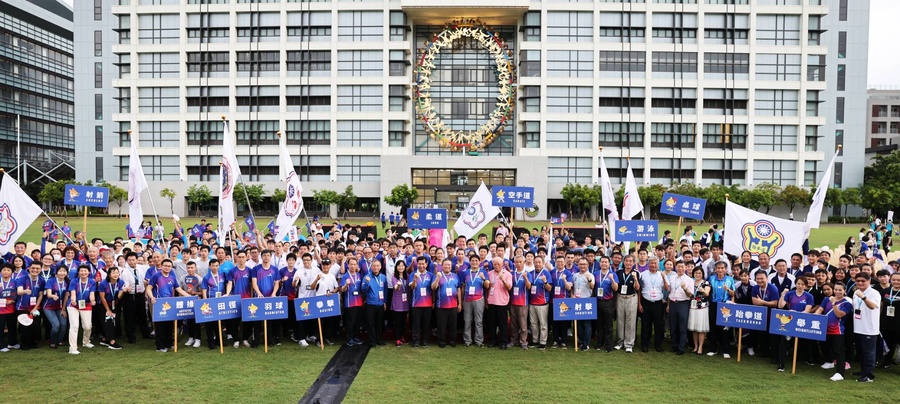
[(16, 346), (230, 337), (164, 350), (617, 347), (837, 377), (303, 342), (712, 353), (751, 352), (312, 338), (189, 342), (88, 345), (196, 343), (237, 344), (74, 352), (4, 350), (629, 350), (246, 344), (828, 365), (726, 356)]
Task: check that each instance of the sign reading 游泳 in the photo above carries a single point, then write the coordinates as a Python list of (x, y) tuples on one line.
[(744, 316), (264, 308), (309, 308), (575, 309), (219, 308), (684, 206), (82, 195), (427, 218), (515, 197), (798, 324), (636, 230), (174, 308)]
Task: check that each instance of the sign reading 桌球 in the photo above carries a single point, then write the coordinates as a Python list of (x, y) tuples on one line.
[(684, 206)]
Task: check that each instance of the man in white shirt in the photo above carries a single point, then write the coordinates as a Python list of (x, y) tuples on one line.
[(327, 284), (764, 266), (134, 310), (681, 290), (709, 266), (866, 325), (303, 281)]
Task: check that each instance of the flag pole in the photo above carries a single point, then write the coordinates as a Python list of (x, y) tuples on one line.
[(303, 208), (153, 228), (3, 172)]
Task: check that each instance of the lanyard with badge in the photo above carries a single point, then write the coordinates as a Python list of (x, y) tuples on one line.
[(380, 284), (81, 301), (4, 294), (403, 293), (32, 299), (624, 288), (447, 286), (472, 278), (517, 278), (891, 310), (557, 289), (114, 289), (537, 275)]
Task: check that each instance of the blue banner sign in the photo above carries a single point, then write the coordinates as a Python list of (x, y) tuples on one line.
[(174, 308), (82, 195), (309, 308), (744, 316), (264, 308), (798, 324), (575, 309), (684, 206), (636, 230), (427, 218), (515, 197), (219, 308)]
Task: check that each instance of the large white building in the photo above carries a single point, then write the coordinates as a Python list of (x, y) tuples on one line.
[(707, 91)]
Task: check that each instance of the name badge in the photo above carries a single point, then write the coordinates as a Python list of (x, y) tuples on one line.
[(516, 291), (355, 293), (557, 290), (599, 292), (471, 290), (32, 301), (81, 305), (2, 303), (534, 290), (403, 297), (890, 311), (448, 292), (380, 295), (423, 292), (623, 290), (218, 294), (653, 294)]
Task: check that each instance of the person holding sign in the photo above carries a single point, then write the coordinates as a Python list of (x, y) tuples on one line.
[(681, 290), (191, 282), (163, 284), (239, 284), (764, 294), (30, 290), (111, 291), (327, 285), (265, 279), (866, 324), (374, 286), (801, 301), (419, 282), (583, 286), (539, 287), (351, 285), (561, 287), (605, 303), (500, 281), (722, 291), (212, 286), (302, 281), (81, 291), (836, 308), (626, 309), (449, 303)]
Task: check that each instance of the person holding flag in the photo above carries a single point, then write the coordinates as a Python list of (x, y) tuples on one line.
[(477, 214)]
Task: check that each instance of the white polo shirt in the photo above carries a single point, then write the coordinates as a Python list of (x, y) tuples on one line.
[(868, 322)]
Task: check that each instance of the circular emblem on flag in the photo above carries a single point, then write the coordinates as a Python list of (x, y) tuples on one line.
[(8, 224), (292, 201), (227, 173), (761, 237)]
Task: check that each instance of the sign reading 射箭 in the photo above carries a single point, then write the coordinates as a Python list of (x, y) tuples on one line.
[(515, 197), (798, 324), (684, 206), (82, 195), (744, 316), (427, 218), (174, 308), (264, 308), (636, 230), (575, 309), (219, 308), (309, 308)]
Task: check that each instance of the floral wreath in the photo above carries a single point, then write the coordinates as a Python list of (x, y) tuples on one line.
[(532, 211), (506, 78)]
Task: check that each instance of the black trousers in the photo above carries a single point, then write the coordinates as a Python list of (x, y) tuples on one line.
[(718, 337), (165, 334), (134, 315), (212, 334), (111, 327), (374, 322), (351, 321), (291, 324), (784, 346), (446, 326), (420, 324), (652, 321), (28, 335), (497, 318), (605, 316), (835, 351), (399, 318), (11, 337)]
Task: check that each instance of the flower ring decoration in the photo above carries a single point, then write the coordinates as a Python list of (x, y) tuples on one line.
[(506, 78)]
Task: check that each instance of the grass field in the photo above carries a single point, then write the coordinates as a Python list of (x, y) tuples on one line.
[(108, 228)]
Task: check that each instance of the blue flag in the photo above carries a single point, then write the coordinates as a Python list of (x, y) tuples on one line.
[(251, 224)]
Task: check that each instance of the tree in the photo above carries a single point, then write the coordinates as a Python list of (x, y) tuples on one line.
[(347, 200), (850, 196), (651, 197), (198, 195), (402, 195), (769, 195), (834, 196), (254, 193), (278, 195), (581, 196), (54, 192), (880, 191), (715, 198), (326, 198), (687, 189), (170, 195), (793, 195), (876, 198), (117, 195)]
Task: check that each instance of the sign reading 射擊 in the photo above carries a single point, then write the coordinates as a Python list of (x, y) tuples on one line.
[(575, 309)]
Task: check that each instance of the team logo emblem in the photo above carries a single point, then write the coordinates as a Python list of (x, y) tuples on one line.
[(500, 196), (474, 215), (205, 309), (783, 319), (293, 202), (305, 307), (761, 237), (563, 308), (8, 225), (253, 308), (73, 193), (227, 174), (670, 203), (726, 313)]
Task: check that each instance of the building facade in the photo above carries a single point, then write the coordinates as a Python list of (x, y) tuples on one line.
[(882, 122), (36, 90), (734, 92)]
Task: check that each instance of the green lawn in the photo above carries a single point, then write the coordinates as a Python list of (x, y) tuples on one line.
[(110, 227), (140, 374)]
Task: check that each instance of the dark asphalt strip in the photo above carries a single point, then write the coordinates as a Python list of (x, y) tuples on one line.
[(333, 383)]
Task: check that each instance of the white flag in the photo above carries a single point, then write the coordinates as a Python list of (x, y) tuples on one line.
[(293, 201), (608, 197), (749, 230), (228, 173), (137, 183), (818, 200), (477, 215), (17, 213), (631, 204)]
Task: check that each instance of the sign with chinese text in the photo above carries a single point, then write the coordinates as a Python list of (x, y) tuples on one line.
[(684, 206), (309, 308), (798, 324), (82, 195), (427, 218), (174, 308), (219, 308), (636, 230), (744, 316), (515, 197), (264, 308), (575, 309)]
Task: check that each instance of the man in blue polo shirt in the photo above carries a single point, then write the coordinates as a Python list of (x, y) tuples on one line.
[(374, 288), (472, 279), (163, 284), (722, 287)]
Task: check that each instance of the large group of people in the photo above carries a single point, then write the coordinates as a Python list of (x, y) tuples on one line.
[(495, 292)]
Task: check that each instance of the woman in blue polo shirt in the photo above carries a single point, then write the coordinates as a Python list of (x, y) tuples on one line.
[(400, 302), (111, 291), (54, 305), (796, 300), (7, 309), (836, 308)]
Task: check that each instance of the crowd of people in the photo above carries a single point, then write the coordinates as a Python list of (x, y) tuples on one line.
[(495, 292)]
